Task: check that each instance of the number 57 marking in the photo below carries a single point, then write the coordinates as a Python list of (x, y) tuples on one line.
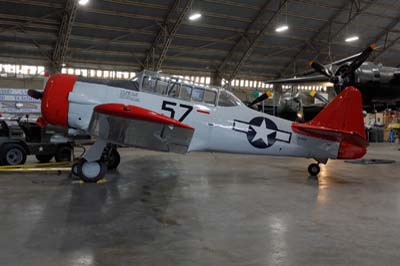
[(170, 107)]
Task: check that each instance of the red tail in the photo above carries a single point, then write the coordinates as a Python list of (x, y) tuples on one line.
[(342, 121)]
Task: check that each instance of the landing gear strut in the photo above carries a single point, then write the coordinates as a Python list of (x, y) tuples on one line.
[(113, 158), (314, 169)]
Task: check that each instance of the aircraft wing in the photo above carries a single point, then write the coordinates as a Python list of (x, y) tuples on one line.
[(309, 79), (130, 125)]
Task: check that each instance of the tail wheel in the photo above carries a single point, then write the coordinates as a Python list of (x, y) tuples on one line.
[(314, 169), (12, 154), (113, 159), (91, 172), (63, 153)]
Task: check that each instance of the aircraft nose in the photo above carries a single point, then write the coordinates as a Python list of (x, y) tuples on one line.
[(55, 103)]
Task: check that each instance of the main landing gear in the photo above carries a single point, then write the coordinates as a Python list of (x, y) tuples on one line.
[(314, 169), (93, 166)]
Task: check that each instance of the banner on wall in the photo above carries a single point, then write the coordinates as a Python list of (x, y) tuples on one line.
[(17, 101)]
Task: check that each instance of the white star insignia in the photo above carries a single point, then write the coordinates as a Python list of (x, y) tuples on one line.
[(262, 132)]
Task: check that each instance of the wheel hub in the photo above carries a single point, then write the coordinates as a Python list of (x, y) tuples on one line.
[(91, 169), (14, 156)]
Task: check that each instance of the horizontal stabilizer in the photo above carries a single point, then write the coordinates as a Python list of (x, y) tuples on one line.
[(330, 134)]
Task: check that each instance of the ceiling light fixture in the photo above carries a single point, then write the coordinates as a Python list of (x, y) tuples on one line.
[(83, 2), (195, 16), (282, 28), (352, 39)]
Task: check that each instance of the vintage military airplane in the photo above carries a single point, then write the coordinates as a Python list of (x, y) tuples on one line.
[(379, 85), (292, 104), (168, 114)]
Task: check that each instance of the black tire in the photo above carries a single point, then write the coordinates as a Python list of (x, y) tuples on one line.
[(314, 169), (92, 178), (44, 158), (113, 159), (12, 154), (63, 153), (74, 169)]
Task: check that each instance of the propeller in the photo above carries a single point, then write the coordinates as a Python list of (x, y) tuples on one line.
[(318, 67), (357, 62), (344, 75), (320, 97), (35, 94), (261, 98)]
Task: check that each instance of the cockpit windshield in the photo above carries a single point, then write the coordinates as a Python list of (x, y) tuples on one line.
[(227, 99), (176, 88)]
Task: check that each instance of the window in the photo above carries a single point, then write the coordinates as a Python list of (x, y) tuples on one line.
[(173, 89), (161, 87), (210, 96), (198, 94), (154, 85), (186, 92), (226, 99)]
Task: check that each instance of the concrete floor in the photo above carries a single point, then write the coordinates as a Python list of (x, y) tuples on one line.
[(206, 209)]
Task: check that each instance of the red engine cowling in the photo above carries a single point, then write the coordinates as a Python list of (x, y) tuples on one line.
[(55, 99)]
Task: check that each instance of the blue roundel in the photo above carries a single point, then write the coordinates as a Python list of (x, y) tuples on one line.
[(262, 132)]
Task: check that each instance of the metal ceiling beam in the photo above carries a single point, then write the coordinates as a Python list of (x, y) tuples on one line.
[(207, 14), (385, 34), (64, 34), (386, 48), (145, 31), (331, 37), (326, 25), (167, 33), (248, 40)]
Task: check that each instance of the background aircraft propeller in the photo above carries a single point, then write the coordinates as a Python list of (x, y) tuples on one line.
[(260, 98), (343, 77), (35, 94)]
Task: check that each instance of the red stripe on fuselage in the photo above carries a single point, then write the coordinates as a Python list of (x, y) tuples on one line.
[(203, 112)]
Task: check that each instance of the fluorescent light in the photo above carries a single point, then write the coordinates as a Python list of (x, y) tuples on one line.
[(195, 16), (83, 2), (282, 28), (352, 39)]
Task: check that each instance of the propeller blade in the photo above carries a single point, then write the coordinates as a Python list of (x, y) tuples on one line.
[(35, 94), (260, 98), (320, 68), (360, 59), (309, 79), (321, 98), (317, 95)]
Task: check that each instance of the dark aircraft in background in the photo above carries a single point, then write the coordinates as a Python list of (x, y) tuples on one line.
[(378, 84), (293, 105)]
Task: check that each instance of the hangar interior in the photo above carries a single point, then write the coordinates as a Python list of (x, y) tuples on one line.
[(205, 208)]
